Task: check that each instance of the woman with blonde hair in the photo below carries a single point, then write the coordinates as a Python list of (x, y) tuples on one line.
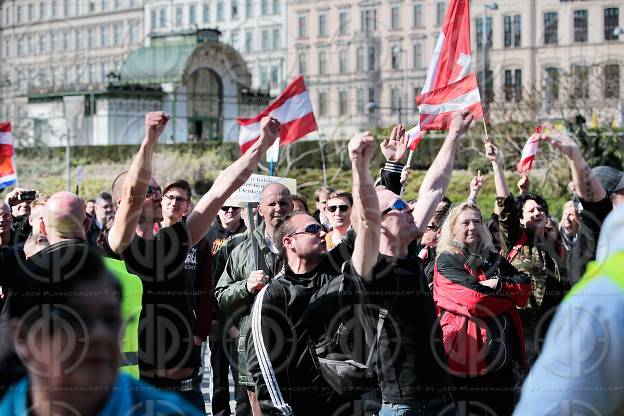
[(476, 292)]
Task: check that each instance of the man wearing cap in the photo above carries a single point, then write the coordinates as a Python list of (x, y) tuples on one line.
[(599, 190)]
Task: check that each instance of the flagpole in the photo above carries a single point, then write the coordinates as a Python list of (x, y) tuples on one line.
[(409, 159), (487, 139), (271, 169)]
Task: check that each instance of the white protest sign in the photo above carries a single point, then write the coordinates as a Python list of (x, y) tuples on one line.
[(250, 191)]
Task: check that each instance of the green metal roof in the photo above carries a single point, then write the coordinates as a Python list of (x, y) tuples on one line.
[(156, 65)]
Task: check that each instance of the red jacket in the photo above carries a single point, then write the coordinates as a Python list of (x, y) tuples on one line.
[(467, 309)]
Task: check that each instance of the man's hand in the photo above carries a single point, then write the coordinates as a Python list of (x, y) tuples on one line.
[(395, 148), (12, 198), (155, 123), (460, 123), (269, 132), (361, 149), (562, 142), (476, 183), (493, 154), (491, 283), (405, 174), (256, 281), (523, 185)]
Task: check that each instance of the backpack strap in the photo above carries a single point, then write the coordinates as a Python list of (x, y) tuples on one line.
[(517, 247), (382, 317)]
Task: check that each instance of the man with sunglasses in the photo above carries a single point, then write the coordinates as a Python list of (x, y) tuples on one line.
[(410, 356), (279, 359), (338, 211), (166, 324)]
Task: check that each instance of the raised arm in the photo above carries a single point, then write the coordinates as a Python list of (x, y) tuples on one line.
[(436, 180), (134, 188), (500, 183), (586, 184), (365, 212), (475, 186), (232, 178)]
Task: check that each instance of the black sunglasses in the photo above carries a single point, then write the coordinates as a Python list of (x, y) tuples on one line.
[(310, 229), (151, 190), (226, 209), (398, 205), (333, 208)]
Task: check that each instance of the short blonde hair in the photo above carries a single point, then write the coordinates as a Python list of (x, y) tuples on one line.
[(446, 242), (569, 204)]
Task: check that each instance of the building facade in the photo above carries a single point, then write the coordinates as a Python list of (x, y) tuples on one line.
[(551, 58), (255, 28), (50, 45), (364, 61)]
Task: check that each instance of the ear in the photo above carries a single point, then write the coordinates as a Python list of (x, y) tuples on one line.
[(42, 228), (288, 243)]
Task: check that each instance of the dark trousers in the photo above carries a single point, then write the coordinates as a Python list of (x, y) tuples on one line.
[(221, 362), (488, 395)]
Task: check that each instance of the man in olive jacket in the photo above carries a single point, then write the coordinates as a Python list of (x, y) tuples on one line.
[(242, 279)]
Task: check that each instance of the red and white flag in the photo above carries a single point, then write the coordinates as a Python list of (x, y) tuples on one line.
[(292, 108), (8, 175), (437, 107), (528, 152), (451, 58)]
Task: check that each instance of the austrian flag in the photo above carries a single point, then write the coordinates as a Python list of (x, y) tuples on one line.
[(292, 108), (528, 152), (436, 107)]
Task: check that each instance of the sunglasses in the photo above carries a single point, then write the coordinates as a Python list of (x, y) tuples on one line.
[(312, 229), (333, 208), (398, 205), (177, 199), (226, 209), (151, 190)]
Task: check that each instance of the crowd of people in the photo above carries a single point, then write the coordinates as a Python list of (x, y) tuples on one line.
[(370, 305)]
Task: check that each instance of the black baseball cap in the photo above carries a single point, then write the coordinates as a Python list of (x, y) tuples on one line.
[(612, 179)]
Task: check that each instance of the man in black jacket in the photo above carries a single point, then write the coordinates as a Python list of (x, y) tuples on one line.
[(287, 381)]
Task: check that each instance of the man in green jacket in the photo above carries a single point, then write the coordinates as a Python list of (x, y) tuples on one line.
[(242, 279)]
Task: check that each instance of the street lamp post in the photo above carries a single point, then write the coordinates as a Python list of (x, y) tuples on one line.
[(486, 6)]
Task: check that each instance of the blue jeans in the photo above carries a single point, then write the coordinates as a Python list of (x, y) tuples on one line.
[(433, 408)]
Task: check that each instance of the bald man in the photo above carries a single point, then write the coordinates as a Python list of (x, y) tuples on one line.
[(64, 223), (242, 279)]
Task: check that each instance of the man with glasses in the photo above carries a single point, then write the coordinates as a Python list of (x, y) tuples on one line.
[(338, 211), (242, 279), (286, 377), (167, 322)]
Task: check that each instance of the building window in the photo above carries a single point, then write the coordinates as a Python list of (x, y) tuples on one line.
[(517, 28), (512, 33), (79, 43), (276, 39), (103, 72), (219, 11), (53, 6), (322, 63), (513, 85), (611, 21), (79, 73), (368, 20), (550, 28), (418, 55), (264, 7), (66, 40), (31, 12), (395, 19), (7, 47), (322, 104), (249, 9), (395, 57), (90, 38), (103, 36), (440, 13), (343, 103), (18, 13), (117, 34), (359, 59), (134, 31), (303, 64), (417, 15), (343, 22), (580, 26), (178, 16), (359, 101), (206, 13), (274, 75), (488, 31), (234, 39), (264, 75), (507, 31), (342, 61), (580, 80), (248, 41), (31, 44), (162, 18), (56, 45), (43, 47), (65, 8), (92, 6), (266, 43), (303, 26), (92, 73), (371, 58), (551, 87), (153, 20), (234, 9), (276, 7), (322, 24), (42, 10), (612, 81)]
